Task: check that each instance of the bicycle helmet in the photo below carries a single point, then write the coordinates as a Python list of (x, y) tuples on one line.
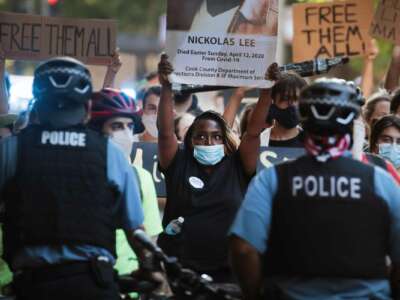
[(329, 106), (110, 103), (62, 86), (61, 80)]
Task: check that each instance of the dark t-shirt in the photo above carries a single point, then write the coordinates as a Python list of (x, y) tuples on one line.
[(208, 202), (296, 142)]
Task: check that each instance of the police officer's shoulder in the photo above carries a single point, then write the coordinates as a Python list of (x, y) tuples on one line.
[(266, 173), (382, 174), (386, 188)]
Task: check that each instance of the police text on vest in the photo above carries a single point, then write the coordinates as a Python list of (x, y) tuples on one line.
[(64, 138), (320, 186)]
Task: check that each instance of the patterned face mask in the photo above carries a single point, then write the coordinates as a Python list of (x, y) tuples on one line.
[(327, 147)]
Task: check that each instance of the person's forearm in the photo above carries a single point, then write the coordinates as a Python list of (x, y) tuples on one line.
[(165, 117), (232, 108), (3, 89), (250, 145), (167, 141), (143, 255), (257, 121), (246, 265), (109, 79), (367, 77), (392, 77), (393, 74)]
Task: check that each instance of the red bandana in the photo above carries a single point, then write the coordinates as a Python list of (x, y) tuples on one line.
[(325, 148)]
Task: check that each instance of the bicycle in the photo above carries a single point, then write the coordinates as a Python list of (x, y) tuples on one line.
[(185, 284)]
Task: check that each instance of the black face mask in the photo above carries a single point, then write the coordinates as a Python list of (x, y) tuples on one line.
[(287, 117)]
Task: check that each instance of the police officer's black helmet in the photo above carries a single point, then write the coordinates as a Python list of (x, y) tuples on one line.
[(62, 78), (62, 86), (329, 106)]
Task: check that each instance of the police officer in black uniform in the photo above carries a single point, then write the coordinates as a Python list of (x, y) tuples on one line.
[(65, 190), (320, 227)]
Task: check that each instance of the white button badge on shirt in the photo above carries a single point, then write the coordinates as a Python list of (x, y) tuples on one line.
[(196, 182)]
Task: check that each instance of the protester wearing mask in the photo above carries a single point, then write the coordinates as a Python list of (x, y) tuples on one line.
[(359, 142), (385, 139), (282, 115), (320, 226), (205, 181), (151, 101), (116, 115), (377, 106)]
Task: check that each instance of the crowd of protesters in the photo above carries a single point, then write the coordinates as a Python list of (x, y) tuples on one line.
[(209, 161)]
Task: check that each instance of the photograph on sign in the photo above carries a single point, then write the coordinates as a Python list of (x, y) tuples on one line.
[(331, 29), (386, 23), (221, 42), (32, 37)]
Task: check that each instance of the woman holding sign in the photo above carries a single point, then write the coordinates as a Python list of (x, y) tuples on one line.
[(205, 181)]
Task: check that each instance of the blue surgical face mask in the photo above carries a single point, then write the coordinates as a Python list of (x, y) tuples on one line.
[(209, 155), (390, 152)]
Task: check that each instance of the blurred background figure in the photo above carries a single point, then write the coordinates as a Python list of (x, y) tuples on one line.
[(182, 125), (7, 124), (186, 103), (395, 102), (116, 115), (151, 101), (377, 106), (385, 139), (205, 181)]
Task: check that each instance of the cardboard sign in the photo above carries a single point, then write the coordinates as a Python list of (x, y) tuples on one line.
[(146, 156), (386, 23), (221, 42), (325, 30), (31, 37)]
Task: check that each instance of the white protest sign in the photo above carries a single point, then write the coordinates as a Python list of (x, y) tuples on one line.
[(221, 42)]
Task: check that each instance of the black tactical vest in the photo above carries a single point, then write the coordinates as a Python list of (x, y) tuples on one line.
[(327, 221), (60, 194)]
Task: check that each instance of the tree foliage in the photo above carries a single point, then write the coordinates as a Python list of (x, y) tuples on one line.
[(132, 15), (140, 16)]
